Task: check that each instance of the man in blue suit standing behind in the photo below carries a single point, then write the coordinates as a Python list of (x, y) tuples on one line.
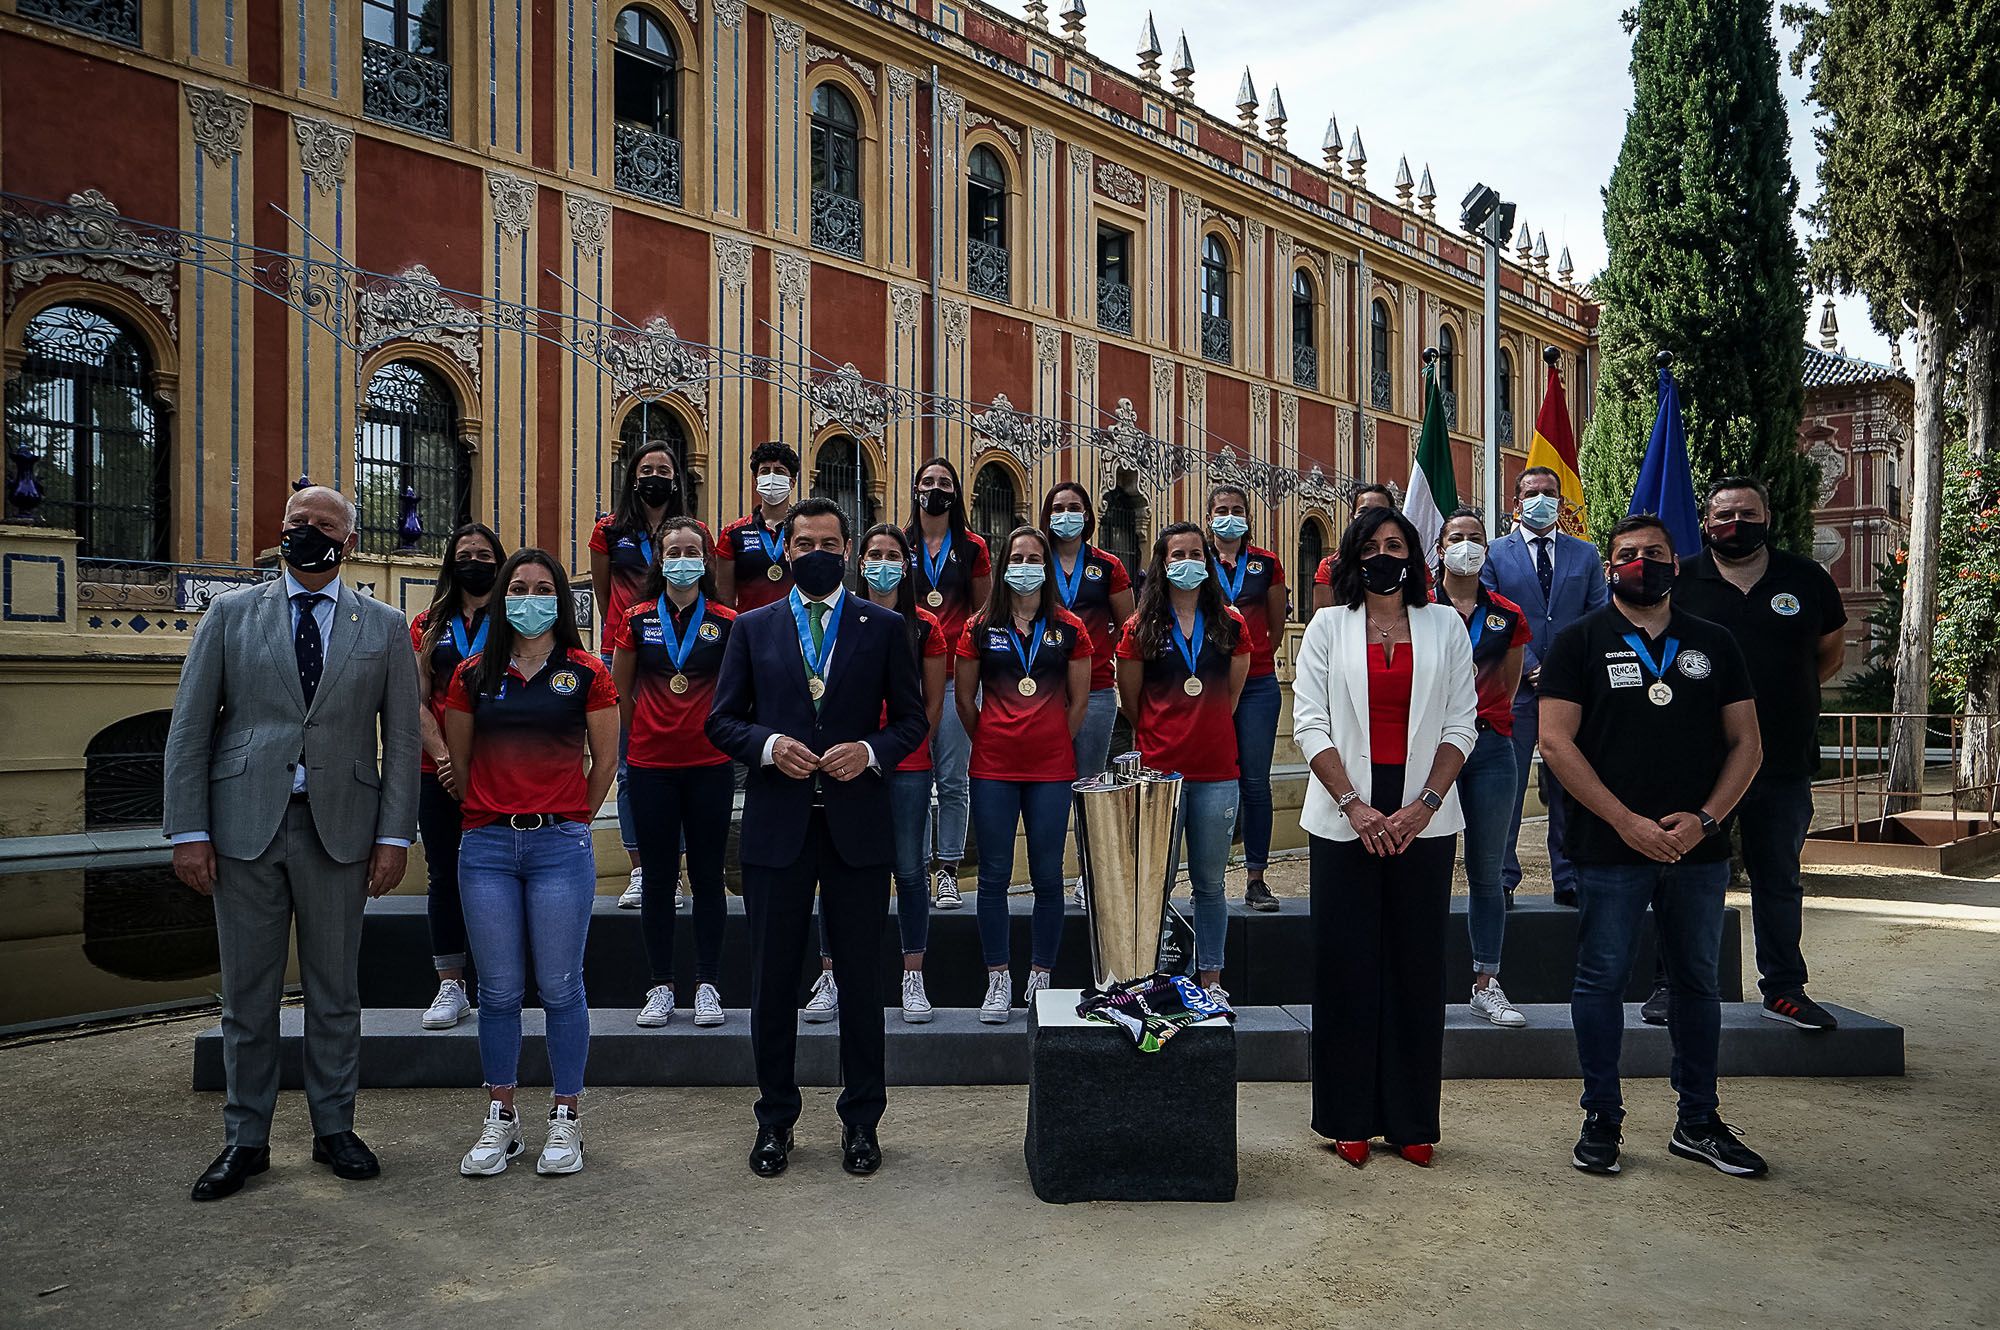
[(819, 696), (1557, 579)]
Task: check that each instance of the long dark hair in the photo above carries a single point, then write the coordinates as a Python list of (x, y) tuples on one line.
[(1156, 607), (1000, 596), (448, 600), (956, 517), (656, 581), (1347, 588), (491, 670), (906, 594), (1089, 508), (630, 515)]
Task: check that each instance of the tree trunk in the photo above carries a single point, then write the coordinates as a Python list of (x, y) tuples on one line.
[(1913, 639), (1979, 760)]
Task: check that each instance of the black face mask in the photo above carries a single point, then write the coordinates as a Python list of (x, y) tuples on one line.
[(1383, 573), (935, 502), (654, 491), (475, 575), (1642, 581), (1739, 539), (309, 549), (816, 574)]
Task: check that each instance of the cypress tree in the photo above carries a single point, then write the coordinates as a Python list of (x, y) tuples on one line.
[(1703, 263)]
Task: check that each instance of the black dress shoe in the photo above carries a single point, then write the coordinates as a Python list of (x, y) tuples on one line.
[(860, 1153), (225, 1176), (1566, 897), (344, 1153), (772, 1151)]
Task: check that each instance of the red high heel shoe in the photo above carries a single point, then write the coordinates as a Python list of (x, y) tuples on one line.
[(1354, 1152), (1420, 1155)]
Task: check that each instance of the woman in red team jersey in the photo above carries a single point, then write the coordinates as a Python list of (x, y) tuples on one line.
[(666, 651), (1181, 665), (1022, 688), (1253, 581)]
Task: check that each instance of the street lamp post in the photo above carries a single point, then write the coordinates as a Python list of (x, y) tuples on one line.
[(1485, 214)]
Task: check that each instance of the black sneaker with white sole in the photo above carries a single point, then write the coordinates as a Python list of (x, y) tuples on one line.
[(1654, 1011), (1799, 1010), (1258, 896), (1714, 1142), (1597, 1148)]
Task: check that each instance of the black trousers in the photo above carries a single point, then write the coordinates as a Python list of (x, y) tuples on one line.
[(672, 806), (440, 823), (854, 903), (1378, 983)]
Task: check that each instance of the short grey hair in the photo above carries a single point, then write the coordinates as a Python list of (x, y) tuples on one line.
[(327, 494)]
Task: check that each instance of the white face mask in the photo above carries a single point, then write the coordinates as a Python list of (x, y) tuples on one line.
[(1465, 558), (773, 488)]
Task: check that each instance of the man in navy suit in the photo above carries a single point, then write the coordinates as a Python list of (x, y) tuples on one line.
[(819, 696), (1556, 579)]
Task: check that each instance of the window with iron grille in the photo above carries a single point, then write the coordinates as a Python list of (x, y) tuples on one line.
[(113, 20), (996, 506), (1119, 524), (1312, 548), (986, 255), (412, 477), (1503, 392), (843, 473), (1380, 380), (1216, 341), (1114, 280), (406, 65), (1305, 322), (81, 429), (836, 172), (646, 423), (1447, 375), (646, 145), (124, 773)]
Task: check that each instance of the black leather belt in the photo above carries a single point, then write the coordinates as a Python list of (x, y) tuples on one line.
[(531, 821)]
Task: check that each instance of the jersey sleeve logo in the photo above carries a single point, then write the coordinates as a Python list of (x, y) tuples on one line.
[(1496, 621), (709, 632), (1694, 664), (1093, 573), (1785, 603), (563, 682), (1052, 637)]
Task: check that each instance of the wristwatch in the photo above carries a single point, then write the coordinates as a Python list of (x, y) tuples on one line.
[(1709, 826), (1431, 799)]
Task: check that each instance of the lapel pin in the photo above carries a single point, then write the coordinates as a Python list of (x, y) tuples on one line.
[(354, 618)]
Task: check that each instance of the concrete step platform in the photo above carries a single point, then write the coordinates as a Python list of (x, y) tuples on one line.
[(956, 1049)]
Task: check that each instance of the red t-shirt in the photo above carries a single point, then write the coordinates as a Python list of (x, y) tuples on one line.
[(530, 739), (445, 660), (1261, 572), (1195, 736), (934, 646), (965, 561), (631, 554), (1389, 704), (1497, 626), (1024, 738), (1101, 577), (743, 544), (667, 727)]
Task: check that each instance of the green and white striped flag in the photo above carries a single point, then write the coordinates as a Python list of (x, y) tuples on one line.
[(1433, 486)]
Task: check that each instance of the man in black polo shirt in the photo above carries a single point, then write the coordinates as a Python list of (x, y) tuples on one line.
[(1649, 725), (1785, 614)]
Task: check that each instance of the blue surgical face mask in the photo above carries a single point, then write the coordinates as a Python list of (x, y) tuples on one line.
[(1068, 525), (683, 572), (1228, 526), (1541, 510), (1026, 577), (884, 574), (532, 616), (1187, 574)]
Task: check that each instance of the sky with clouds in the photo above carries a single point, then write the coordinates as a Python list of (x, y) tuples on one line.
[(1529, 96)]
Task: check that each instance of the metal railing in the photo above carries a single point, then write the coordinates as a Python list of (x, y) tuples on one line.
[(1217, 339), (403, 88), (646, 163), (836, 223), (1114, 306), (1380, 385), (114, 20), (1305, 365), (988, 271), (1864, 783)]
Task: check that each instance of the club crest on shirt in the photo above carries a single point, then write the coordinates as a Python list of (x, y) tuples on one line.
[(1785, 603), (563, 682), (1694, 664), (709, 632), (1496, 621), (1052, 637), (1093, 573), (1256, 565), (1624, 674)]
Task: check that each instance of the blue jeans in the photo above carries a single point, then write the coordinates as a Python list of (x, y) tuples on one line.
[(951, 754), (1773, 819), (627, 836), (1256, 737), (1492, 802), (1093, 741), (1686, 899), (1208, 809), (529, 892), (1527, 730), (998, 807), (909, 818)]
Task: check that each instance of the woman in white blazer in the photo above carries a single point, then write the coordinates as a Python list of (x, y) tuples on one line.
[(1383, 707)]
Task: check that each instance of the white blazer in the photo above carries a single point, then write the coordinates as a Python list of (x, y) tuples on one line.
[(1330, 709)]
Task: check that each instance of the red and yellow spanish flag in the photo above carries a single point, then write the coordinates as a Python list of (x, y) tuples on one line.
[(1554, 447)]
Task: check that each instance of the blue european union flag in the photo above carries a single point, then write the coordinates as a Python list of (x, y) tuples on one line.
[(1665, 488)]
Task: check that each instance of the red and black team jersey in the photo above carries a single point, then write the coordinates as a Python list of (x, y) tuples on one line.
[(966, 560), (445, 660), (934, 646), (1024, 738), (530, 739), (1261, 572), (742, 544), (668, 727), (1497, 626), (1103, 576), (631, 555), (1195, 736)]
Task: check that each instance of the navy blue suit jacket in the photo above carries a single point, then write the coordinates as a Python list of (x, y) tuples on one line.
[(761, 691), (1576, 589)]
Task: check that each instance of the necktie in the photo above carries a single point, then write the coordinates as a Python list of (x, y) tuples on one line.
[(306, 644), (816, 616), (1545, 570)]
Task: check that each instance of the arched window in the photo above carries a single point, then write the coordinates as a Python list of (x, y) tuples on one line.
[(1380, 382), (412, 477), (1215, 331), (1447, 374), (1118, 527), (843, 473), (1305, 349), (646, 145), (124, 778), (1503, 393), (406, 64), (643, 424), (1312, 548), (996, 505), (836, 172), (81, 409), (986, 256)]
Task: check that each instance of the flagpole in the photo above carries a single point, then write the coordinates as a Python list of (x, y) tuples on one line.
[(1490, 491)]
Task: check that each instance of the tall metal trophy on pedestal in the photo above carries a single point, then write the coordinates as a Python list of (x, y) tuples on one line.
[(1129, 820)]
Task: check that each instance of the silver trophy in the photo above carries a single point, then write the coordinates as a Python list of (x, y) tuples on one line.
[(1129, 824)]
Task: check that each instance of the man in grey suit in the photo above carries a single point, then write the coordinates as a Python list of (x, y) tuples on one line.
[(277, 806), (1556, 579)]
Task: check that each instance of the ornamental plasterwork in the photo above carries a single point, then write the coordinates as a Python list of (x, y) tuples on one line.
[(1123, 446), (1005, 131), (1121, 183), (687, 7), (794, 276), (790, 35), (1260, 403), (218, 121), (88, 239), (1044, 144), (729, 13), (906, 304), (955, 317), (1312, 261), (1214, 215), (1284, 245), (1343, 432), (1079, 166), (951, 105), (1268, 482), (1288, 418), (1828, 545), (902, 83), (653, 362), (860, 71), (589, 219), (323, 150), (1027, 438), (1197, 388), (1163, 376), (1083, 352), (732, 262), (1190, 206), (513, 202), (413, 307), (1315, 489), (1255, 229), (1048, 346), (1832, 469), (846, 399), (1156, 194)]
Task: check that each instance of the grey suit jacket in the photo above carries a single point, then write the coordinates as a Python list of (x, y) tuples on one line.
[(241, 725)]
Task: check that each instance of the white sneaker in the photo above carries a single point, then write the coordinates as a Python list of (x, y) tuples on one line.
[(824, 1004), (499, 1140), (448, 1008), (1491, 1003), (659, 1008), (999, 998), (1217, 993), (916, 1005), (634, 895), (944, 889), (1038, 981), (683, 897), (562, 1152), (707, 1005), (1076, 895)]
